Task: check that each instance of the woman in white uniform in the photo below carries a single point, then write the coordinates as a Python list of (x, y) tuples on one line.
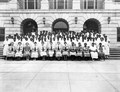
[(86, 52), (11, 51), (79, 52), (107, 46), (34, 53), (51, 50), (5, 48), (58, 53), (65, 51), (43, 52), (93, 52), (73, 51), (19, 51)]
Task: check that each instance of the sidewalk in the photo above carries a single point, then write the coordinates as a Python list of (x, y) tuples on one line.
[(60, 76)]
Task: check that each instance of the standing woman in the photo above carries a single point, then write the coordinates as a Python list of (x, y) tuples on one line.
[(5, 48), (107, 46)]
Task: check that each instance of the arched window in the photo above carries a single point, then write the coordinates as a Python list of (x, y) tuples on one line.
[(31, 4)]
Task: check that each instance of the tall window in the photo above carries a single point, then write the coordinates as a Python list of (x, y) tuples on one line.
[(118, 34), (90, 4), (2, 34), (31, 4), (60, 4)]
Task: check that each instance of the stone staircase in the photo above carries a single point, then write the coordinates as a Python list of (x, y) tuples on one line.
[(114, 53)]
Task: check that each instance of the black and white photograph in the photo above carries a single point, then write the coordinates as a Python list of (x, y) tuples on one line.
[(59, 45)]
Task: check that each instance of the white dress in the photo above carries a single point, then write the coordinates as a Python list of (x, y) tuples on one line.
[(58, 51), (10, 52), (107, 48), (19, 50), (93, 52), (43, 51), (34, 53), (5, 48)]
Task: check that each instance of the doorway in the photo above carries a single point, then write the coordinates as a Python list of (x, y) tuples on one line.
[(60, 25), (28, 26)]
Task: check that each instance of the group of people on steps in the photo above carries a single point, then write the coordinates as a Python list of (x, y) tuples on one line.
[(84, 45)]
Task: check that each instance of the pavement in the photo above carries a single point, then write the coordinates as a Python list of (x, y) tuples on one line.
[(60, 76)]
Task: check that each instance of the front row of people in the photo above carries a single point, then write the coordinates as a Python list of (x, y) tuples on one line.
[(65, 53)]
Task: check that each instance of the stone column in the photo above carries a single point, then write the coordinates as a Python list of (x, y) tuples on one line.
[(109, 4), (13, 4), (45, 4), (76, 4)]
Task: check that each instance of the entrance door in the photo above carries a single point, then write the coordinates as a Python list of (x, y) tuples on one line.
[(92, 25), (29, 26), (60, 25)]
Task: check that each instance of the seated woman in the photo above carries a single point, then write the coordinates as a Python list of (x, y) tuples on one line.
[(73, 51), (58, 53), (34, 53), (11, 51), (43, 51), (19, 51), (79, 51), (51, 51), (27, 51), (101, 53), (65, 51), (86, 52), (93, 52)]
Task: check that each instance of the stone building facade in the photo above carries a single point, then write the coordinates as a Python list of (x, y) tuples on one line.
[(22, 16)]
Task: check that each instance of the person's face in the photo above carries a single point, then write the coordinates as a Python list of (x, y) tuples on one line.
[(12, 44), (19, 44)]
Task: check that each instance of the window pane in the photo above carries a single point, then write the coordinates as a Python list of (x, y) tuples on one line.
[(30, 4), (1, 37), (66, 4), (36, 4), (25, 4), (95, 4), (60, 4), (2, 34), (91, 4), (85, 4), (118, 34), (55, 4)]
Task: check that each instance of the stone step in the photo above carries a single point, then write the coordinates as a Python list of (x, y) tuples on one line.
[(114, 58), (112, 55)]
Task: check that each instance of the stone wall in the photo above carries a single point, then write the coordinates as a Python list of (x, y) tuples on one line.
[(69, 16)]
